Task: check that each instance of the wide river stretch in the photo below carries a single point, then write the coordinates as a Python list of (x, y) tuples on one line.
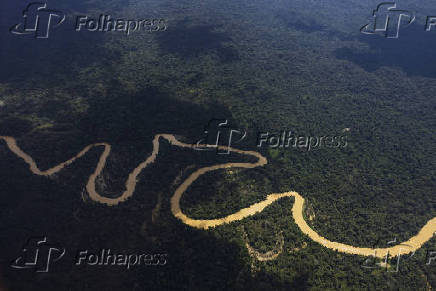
[(409, 246)]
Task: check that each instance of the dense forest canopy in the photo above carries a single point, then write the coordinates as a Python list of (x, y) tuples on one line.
[(300, 66)]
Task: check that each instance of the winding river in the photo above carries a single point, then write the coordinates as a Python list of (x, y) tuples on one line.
[(411, 245)]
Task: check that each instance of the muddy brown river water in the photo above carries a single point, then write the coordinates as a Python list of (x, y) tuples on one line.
[(411, 245)]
